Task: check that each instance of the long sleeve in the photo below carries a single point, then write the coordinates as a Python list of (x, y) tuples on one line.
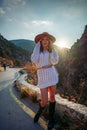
[(54, 58), (35, 54)]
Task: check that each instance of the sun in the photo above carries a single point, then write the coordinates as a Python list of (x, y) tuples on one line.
[(62, 43)]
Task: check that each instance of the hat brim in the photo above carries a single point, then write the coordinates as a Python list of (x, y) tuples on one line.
[(40, 36)]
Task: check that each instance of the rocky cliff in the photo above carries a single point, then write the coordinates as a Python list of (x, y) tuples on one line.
[(73, 74)]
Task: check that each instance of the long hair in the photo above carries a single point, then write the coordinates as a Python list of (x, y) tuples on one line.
[(49, 47)]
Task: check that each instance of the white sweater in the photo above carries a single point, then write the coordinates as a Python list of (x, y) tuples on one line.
[(46, 76)]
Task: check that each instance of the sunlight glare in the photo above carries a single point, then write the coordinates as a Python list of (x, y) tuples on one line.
[(62, 43)]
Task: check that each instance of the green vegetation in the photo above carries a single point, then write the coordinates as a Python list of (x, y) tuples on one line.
[(25, 44), (10, 51)]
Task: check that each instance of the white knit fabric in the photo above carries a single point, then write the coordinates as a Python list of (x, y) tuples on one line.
[(46, 76)]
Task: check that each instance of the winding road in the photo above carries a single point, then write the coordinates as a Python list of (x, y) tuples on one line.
[(12, 116), (7, 77)]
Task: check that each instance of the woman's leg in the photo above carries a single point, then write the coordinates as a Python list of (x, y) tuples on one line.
[(44, 100), (51, 106), (52, 90), (44, 96)]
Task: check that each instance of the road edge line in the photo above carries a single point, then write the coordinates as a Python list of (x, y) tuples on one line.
[(27, 109)]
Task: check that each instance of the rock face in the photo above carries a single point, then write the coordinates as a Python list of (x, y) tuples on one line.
[(82, 45), (74, 74)]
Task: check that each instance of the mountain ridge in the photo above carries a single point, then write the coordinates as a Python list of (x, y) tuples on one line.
[(10, 51), (24, 43)]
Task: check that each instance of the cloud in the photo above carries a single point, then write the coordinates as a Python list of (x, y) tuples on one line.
[(41, 22), (26, 24), (2, 11), (14, 3), (8, 8), (23, 3), (37, 23), (73, 13), (9, 20)]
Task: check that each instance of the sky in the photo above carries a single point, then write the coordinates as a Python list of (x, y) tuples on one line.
[(24, 19)]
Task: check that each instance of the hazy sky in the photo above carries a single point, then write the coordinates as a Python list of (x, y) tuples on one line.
[(23, 19)]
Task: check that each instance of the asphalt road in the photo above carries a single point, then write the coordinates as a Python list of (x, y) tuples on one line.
[(12, 116), (7, 77)]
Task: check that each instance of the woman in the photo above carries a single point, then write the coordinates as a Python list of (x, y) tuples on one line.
[(45, 57)]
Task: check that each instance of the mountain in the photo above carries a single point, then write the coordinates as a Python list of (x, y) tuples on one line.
[(12, 52), (25, 44), (73, 72)]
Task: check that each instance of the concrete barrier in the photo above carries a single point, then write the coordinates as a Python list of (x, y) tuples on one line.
[(63, 106)]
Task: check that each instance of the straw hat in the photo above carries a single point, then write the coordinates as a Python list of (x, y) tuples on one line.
[(40, 36)]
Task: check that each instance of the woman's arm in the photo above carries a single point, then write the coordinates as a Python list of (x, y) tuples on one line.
[(35, 54), (54, 58)]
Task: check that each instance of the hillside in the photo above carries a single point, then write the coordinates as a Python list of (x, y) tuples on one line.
[(25, 44), (12, 52), (73, 72)]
